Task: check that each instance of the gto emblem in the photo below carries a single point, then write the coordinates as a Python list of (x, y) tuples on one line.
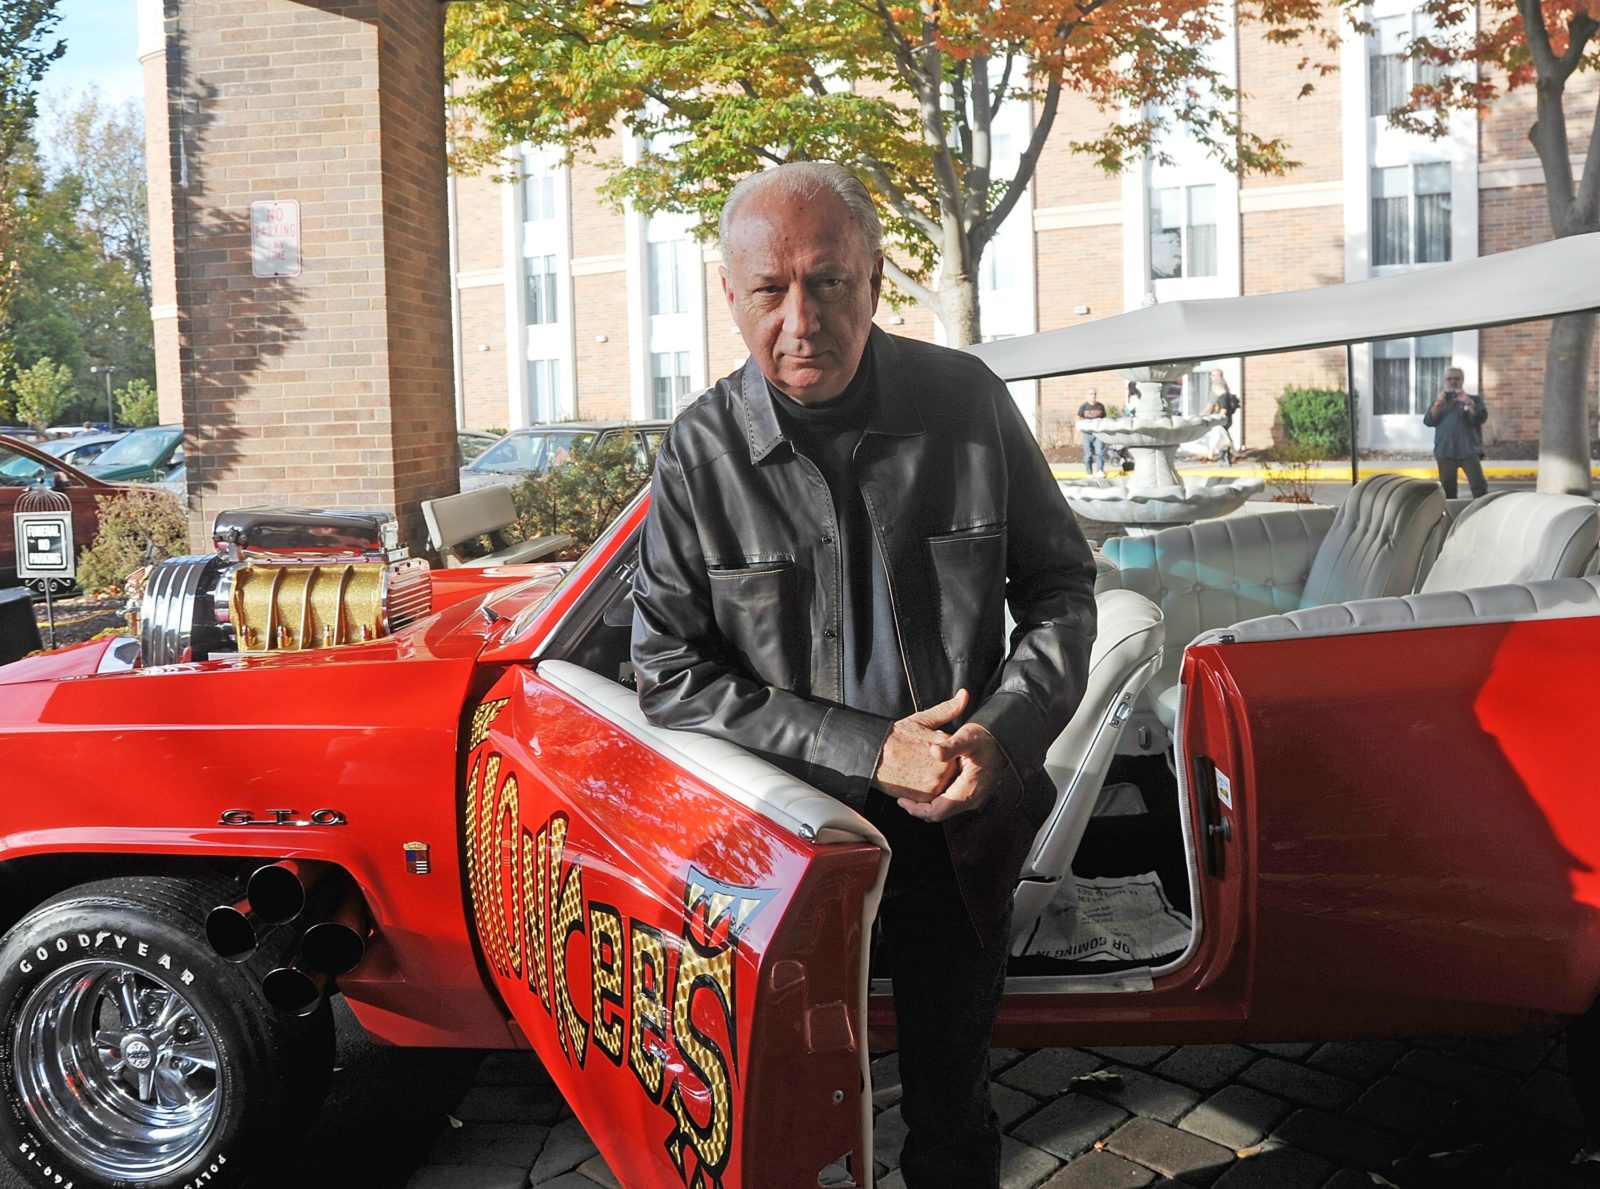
[(282, 817)]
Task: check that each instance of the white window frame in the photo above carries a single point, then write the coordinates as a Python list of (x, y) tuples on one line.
[(549, 340), (1190, 166), (1370, 142), (652, 334), (1011, 310)]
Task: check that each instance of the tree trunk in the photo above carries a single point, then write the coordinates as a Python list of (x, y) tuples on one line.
[(958, 310), (1564, 420)]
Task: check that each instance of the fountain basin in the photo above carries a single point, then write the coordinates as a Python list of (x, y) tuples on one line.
[(1113, 501)]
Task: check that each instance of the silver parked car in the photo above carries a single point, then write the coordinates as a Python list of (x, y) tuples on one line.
[(536, 449)]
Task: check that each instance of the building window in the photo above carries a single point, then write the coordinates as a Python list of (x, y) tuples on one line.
[(1408, 373), (672, 267), (1391, 75), (669, 382), (538, 197), (1411, 214), (1183, 232), (544, 390), (541, 274)]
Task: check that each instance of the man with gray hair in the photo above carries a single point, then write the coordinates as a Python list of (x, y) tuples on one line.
[(834, 532)]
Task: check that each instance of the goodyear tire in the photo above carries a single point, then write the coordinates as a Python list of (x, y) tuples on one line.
[(130, 1054)]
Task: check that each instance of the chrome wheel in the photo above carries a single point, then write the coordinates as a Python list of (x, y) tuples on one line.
[(116, 1070)]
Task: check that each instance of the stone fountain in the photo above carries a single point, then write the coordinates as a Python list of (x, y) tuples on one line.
[(1154, 495)]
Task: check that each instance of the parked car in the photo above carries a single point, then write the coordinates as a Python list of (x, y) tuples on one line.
[(24, 465), (23, 433), (144, 456), (534, 450), (473, 442), (82, 447)]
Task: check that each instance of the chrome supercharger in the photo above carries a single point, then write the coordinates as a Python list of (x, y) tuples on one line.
[(283, 579)]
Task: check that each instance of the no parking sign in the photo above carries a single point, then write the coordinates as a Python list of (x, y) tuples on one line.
[(44, 544)]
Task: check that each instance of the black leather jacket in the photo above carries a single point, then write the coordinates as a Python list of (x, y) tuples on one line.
[(737, 597)]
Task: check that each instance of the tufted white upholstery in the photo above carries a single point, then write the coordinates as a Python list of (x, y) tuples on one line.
[(1556, 598), (1216, 572), (1517, 536), (1377, 541), (1219, 572), (1127, 650)]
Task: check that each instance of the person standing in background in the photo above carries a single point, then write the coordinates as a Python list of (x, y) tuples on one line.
[(1225, 402), (1094, 450), (1457, 418)]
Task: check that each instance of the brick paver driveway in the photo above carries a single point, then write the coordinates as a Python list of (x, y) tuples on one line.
[(1427, 1115)]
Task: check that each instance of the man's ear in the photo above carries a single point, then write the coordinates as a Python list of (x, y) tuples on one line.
[(877, 280), (727, 290)]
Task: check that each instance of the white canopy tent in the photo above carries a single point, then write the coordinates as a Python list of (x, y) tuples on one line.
[(1559, 277)]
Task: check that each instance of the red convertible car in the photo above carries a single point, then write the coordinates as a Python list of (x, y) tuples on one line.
[(1329, 780)]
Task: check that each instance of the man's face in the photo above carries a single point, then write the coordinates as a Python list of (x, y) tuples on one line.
[(802, 288), (1454, 380)]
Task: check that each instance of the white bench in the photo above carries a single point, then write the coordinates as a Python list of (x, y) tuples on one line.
[(455, 519)]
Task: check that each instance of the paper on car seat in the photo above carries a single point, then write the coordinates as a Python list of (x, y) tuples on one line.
[(1110, 919)]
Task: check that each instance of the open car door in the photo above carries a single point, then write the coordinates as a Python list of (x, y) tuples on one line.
[(1401, 795), (680, 930)]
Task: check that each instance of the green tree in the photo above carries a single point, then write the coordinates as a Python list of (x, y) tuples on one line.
[(101, 144), (26, 51), (136, 405), (907, 95), (42, 393), (72, 300)]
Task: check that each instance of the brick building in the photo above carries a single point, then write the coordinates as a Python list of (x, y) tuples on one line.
[(566, 307)]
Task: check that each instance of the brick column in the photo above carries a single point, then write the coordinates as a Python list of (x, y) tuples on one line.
[(334, 386)]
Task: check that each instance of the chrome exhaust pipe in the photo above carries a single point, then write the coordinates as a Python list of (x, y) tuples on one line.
[(330, 938), (277, 892), (232, 930), (337, 945), (295, 990)]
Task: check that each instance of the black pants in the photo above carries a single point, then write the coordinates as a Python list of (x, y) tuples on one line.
[(1476, 483), (947, 987)]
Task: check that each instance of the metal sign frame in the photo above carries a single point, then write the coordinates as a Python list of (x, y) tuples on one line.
[(54, 528)]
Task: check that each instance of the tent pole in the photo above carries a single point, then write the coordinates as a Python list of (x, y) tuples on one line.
[(1350, 396)]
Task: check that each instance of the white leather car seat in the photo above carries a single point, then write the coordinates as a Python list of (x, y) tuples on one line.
[(1218, 572), (1127, 651), (1517, 536)]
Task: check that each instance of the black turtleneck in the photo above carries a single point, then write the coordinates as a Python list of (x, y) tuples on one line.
[(829, 435)]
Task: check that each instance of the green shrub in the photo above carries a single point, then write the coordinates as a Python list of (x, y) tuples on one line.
[(1317, 418), (582, 496), (137, 527)]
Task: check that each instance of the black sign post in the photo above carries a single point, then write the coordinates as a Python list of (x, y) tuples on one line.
[(44, 551)]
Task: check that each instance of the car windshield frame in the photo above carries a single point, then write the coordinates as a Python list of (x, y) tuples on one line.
[(134, 446), (13, 468), (540, 451)]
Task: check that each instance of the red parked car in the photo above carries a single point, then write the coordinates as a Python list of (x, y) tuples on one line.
[(24, 465)]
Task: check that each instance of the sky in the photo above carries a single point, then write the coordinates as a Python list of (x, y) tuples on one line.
[(102, 39)]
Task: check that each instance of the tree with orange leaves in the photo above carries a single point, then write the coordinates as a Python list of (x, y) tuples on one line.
[(905, 94)]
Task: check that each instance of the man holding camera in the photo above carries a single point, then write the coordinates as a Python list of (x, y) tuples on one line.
[(1457, 417)]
